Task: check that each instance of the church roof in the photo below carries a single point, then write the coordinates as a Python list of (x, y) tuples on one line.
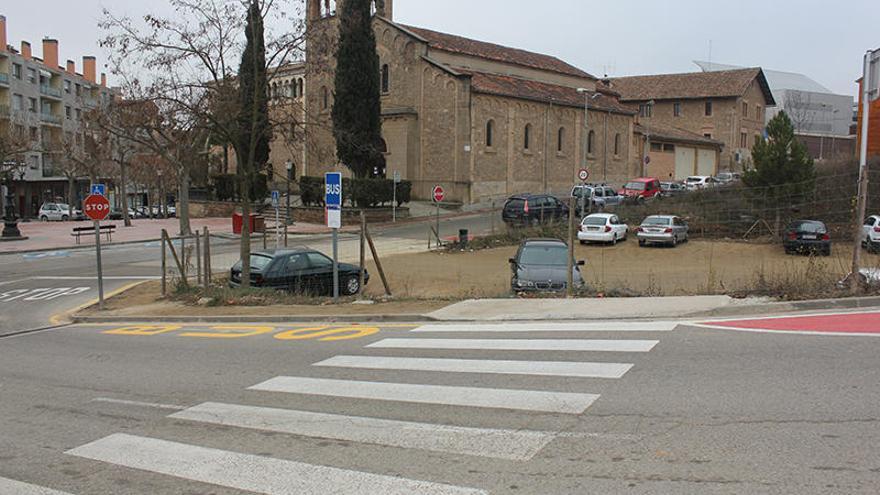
[(499, 53), (494, 84), (719, 84)]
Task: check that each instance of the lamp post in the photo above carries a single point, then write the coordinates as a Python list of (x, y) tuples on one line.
[(649, 111), (162, 209), (289, 165), (10, 220), (587, 98)]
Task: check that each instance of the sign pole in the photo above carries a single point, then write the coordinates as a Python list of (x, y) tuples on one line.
[(277, 229), (333, 209), (863, 175), (97, 224), (394, 204)]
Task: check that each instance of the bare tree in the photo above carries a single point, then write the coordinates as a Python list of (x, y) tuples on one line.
[(799, 108)]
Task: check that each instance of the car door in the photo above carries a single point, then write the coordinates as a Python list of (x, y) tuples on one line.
[(293, 277), (617, 227), (680, 227), (868, 227), (320, 273)]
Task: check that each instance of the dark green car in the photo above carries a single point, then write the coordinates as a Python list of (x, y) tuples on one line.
[(299, 270)]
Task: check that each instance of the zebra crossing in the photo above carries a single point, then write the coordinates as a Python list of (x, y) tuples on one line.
[(264, 474)]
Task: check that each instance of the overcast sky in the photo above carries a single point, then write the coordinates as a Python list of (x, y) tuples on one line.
[(825, 40)]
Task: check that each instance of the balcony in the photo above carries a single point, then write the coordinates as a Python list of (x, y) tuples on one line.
[(48, 118), (5, 111), (4, 79), (47, 90)]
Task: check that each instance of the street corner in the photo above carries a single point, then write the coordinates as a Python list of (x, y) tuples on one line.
[(863, 323)]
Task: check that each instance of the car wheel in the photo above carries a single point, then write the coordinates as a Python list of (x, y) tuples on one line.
[(44, 218), (641, 243), (826, 251), (583, 243), (64, 218), (352, 285), (674, 241), (614, 240)]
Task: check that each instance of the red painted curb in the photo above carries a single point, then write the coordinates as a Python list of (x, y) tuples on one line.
[(849, 323)]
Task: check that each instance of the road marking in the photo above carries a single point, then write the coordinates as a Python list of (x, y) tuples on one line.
[(519, 345), (496, 398), (94, 278), (250, 472), (143, 330), (538, 368), (611, 326), (124, 402), (13, 487), (49, 254), (327, 333), (41, 294), (231, 332), (494, 443), (59, 318)]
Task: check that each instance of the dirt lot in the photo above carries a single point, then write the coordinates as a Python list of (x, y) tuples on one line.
[(698, 267)]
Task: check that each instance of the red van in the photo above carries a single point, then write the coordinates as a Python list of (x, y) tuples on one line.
[(641, 189)]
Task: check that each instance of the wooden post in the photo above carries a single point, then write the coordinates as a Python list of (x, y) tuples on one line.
[(285, 235), (207, 257), (185, 258), (177, 262), (376, 259), (264, 236), (164, 264), (198, 258), (363, 249)]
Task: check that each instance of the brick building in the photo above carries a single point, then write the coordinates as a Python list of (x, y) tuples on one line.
[(725, 106), (873, 126), (481, 119)]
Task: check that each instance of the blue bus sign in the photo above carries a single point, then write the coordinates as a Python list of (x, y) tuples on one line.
[(99, 189), (333, 199)]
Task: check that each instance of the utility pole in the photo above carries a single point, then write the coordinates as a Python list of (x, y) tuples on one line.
[(872, 60)]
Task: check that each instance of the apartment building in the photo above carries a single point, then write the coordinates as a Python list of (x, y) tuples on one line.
[(45, 101)]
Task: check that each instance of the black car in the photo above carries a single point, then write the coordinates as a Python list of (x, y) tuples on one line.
[(299, 270), (541, 265), (533, 209), (806, 236)]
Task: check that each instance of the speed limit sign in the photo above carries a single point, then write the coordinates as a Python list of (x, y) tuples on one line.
[(583, 174)]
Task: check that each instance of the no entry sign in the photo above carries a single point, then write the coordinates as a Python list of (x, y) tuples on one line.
[(438, 194), (96, 207)]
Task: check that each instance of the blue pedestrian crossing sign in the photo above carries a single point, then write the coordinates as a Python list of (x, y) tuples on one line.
[(275, 198), (99, 189)]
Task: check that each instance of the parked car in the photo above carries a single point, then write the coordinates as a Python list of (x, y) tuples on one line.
[(641, 189), (662, 229), (299, 270), (672, 189), (58, 212), (532, 209), (724, 178), (696, 182), (806, 236), (541, 265), (871, 230), (602, 227), (602, 196), (115, 214)]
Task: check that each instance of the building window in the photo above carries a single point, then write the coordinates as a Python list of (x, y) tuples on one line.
[(383, 146), (646, 110), (676, 109), (325, 98), (617, 144), (745, 110), (758, 138), (32, 105), (743, 140), (759, 112), (34, 134), (78, 90), (591, 139), (707, 135), (16, 71), (560, 139), (708, 109), (78, 114), (67, 112), (67, 86), (386, 78), (299, 86), (527, 136), (17, 102), (490, 131), (656, 146), (32, 76)]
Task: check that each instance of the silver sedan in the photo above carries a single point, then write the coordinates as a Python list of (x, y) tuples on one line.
[(662, 229)]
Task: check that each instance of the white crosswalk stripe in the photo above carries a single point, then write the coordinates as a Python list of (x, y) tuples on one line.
[(253, 473), (615, 326), (537, 368), (519, 345), (498, 398), (13, 487), (483, 442)]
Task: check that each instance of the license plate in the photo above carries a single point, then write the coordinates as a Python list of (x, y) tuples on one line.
[(809, 237)]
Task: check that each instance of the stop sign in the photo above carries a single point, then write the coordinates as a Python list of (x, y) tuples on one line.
[(438, 194), (96, 207)]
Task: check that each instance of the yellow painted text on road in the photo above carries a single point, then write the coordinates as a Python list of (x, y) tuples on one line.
[(327, 333), (230, 332), (143, 330)]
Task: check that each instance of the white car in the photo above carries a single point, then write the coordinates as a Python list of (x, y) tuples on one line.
[(871, 231), (57, 212), (696, 182), (602, 227)]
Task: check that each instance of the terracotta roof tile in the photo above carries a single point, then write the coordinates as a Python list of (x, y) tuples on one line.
[(538, 91), (720, 84), (499, 53), (675, 134)]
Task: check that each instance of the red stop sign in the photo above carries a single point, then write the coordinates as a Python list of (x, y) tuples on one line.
[(96, 207), (438, 194)]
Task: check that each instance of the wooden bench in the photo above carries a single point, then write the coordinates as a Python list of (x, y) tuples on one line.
[(105, 229)]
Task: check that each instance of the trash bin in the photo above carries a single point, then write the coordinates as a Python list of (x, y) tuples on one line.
[(256, 223), (463, 237)]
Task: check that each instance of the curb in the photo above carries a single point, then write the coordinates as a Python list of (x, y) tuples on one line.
[(791, 306)]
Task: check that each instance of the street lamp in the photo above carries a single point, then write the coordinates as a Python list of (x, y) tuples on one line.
[(10, 220), (587, 98), (289, 165), (162, 211), (649, 111)]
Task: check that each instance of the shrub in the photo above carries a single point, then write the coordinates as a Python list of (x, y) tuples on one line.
[(360, 193), (226, 187)]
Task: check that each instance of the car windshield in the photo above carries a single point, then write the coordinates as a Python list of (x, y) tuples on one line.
[(594, 221), (656, 221), (695, 179), (809, 227), (258, 262), (580, 191), (635, 186), (556, 255)]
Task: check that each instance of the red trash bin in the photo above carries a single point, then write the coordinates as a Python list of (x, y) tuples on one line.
[(255, 223)]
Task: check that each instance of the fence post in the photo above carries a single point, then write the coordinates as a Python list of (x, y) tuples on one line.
[(207, 257), (376, 259), (198, 258), (363, 249), (183, 255), (164, 264), (285, 235)]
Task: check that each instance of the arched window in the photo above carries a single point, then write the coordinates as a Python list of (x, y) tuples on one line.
[(527, 136), (386, 78), (490, 133), (325, 98), (560, 139), (591, 139), (383, 146), (300, 88), (273, 93), (616, 144)]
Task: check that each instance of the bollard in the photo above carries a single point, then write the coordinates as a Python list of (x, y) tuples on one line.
[(463, 238)]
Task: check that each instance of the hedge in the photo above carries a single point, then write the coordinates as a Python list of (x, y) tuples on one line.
[(360, 193), (226, 187)]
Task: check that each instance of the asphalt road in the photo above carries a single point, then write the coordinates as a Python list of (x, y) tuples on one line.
[(291, 409), (37, 289)]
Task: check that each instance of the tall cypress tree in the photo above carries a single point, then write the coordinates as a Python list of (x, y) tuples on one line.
[(357, 124), (253, 129)]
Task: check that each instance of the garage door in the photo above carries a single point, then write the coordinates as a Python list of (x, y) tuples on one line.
[(706, 164), (684, 162)]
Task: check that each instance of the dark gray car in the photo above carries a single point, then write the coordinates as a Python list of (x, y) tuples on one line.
[(541, 265)]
